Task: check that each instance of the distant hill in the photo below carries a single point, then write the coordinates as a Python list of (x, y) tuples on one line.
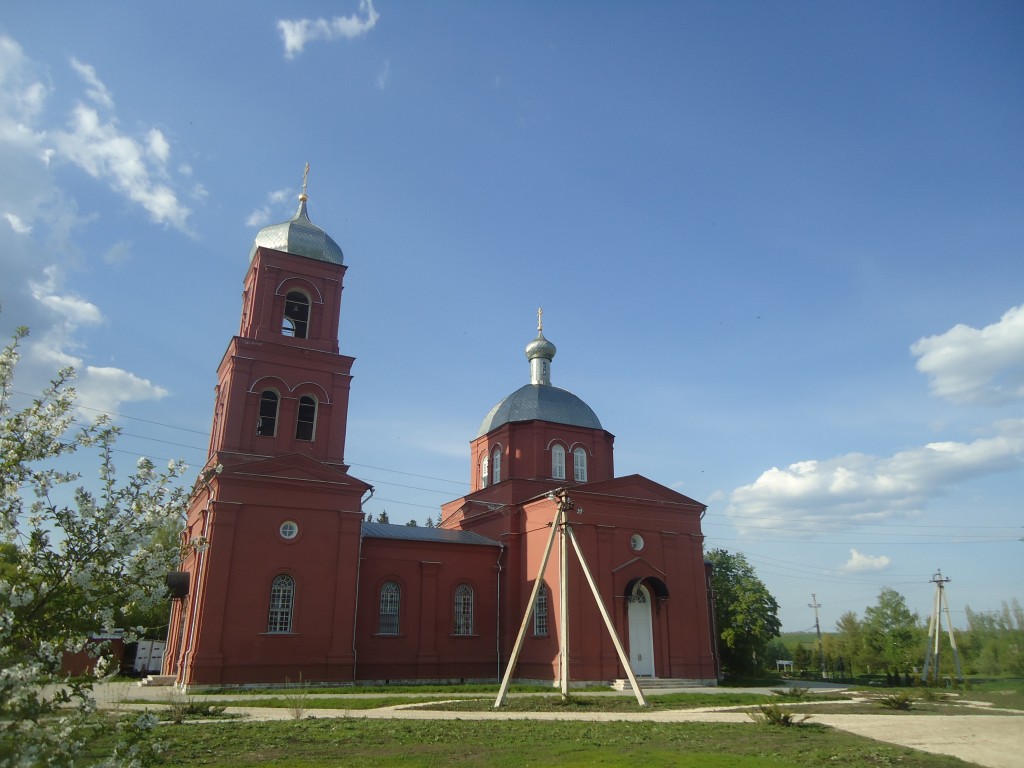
[(793, 639)]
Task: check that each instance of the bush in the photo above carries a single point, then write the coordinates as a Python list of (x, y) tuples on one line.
[(792, 692), (898, 700), (773, 714)]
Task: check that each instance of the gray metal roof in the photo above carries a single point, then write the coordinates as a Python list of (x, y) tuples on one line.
[(300, 236), (418, 533), (542, 402)]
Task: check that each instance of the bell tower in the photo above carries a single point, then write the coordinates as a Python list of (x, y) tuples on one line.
[(282, 386), (270, 550)]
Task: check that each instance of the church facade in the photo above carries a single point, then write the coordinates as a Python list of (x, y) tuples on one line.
[(282, 579)]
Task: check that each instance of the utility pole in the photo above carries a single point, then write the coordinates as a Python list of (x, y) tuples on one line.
[(817, 627), (935, 632)]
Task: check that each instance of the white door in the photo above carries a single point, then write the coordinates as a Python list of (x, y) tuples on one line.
[(641, 638)]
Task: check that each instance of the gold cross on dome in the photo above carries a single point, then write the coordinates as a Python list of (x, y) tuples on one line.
[(540, 319), (305, 177)]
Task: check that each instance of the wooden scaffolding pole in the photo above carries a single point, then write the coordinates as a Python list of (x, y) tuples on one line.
[(560, 524)]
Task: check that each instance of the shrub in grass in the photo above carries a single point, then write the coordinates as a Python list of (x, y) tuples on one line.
[(792, 692), (180, 707), (297, 697), (899, 700), (773, 714)]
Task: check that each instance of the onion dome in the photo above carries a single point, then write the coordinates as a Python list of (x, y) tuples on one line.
[(540, 348), (299, 236), (538, 400)]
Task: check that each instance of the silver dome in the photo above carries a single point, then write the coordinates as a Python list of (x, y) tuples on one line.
[(542, 402), (540, 347), (301, 237)]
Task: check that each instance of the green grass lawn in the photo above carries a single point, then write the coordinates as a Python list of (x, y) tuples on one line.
[(311, 741), (354, 742)]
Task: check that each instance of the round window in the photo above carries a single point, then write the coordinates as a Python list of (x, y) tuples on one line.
[(289, 530), (636, 542)]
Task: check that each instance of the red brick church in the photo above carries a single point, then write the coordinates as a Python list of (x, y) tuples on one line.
[(283, 579)]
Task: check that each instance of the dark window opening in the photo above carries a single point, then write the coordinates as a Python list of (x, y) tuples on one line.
[(266, 426), (305, 426), (296, 315)]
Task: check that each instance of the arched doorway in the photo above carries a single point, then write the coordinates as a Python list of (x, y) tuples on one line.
[(641, 636)]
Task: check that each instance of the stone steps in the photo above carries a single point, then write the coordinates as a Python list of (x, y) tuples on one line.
[(654, 683), (155, 680)]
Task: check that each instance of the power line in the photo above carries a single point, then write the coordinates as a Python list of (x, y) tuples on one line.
[(120, 415)]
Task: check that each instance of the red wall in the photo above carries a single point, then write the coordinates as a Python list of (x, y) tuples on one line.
[(426, 646)]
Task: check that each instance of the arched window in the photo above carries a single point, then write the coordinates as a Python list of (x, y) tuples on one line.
[(558, 462), (296, 315), (579, 465), (484, 471), (266, 425), (496, 465), (463, 610), (282, 598), (390, 603), (305, 423), (540, 612)]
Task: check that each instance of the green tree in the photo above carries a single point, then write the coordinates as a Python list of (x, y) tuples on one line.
[(383, 517), (892, 634), (776, 651), (412, 524), (849, 642), (73, 560), (429, 523), (746, 613), (994, 643), (803, 658)]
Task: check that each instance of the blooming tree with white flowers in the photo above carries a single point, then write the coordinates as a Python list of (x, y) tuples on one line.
[(73, 560)]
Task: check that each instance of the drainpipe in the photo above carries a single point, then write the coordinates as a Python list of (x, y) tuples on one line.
[(355, 610), (497, 622)]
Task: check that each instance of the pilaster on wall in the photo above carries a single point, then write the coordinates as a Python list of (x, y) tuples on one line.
[(207, 660), (427, 650)]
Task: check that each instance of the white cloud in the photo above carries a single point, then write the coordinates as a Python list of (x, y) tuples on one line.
[(97, 90), (384, 75), (819, 496), (17, 224), (103, 152), (104, 389), (157, 145), (296, 33), (118, 253), (71, 309), (58, 346), (859, 562), (268, 213), (39, 220), (968, 365), (22, 96)]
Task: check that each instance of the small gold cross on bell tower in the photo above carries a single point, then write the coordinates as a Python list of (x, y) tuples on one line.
[(305, 177)]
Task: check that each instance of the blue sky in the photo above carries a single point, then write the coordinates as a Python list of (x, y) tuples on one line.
[(778, 245)]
